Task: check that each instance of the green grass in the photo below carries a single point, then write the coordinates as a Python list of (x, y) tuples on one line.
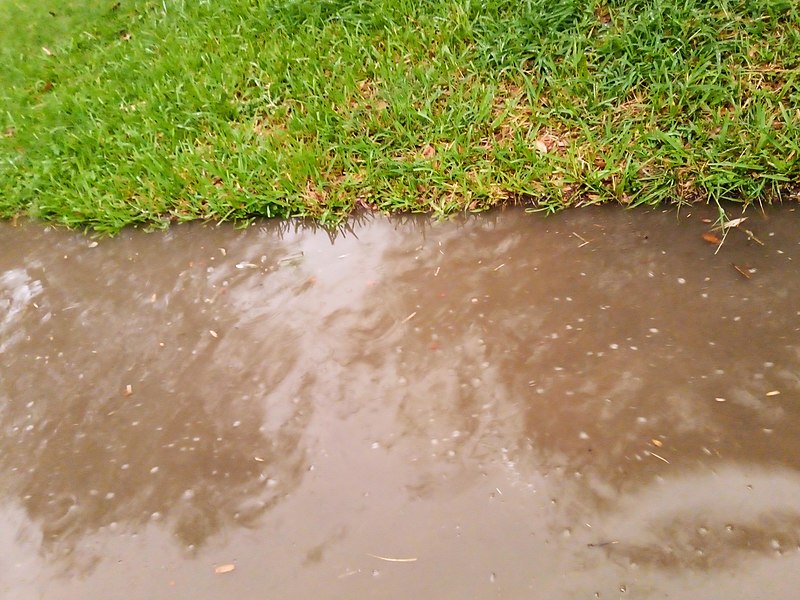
[(146, 113)]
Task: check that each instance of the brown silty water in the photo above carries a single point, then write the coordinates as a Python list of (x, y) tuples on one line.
[(589, 405)]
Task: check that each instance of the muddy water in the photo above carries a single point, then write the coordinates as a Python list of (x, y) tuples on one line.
[(589, 405)]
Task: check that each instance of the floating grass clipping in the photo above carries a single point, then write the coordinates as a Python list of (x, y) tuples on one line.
[(145, 113)]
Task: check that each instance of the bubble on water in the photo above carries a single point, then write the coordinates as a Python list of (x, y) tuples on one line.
[(653, 330), (125, 467), (110, 496), (583, 435), (702, 531), (154, 470), (237, 423), (188, 494), (681, 280), (613, 346), (156, 516), (375, 572)]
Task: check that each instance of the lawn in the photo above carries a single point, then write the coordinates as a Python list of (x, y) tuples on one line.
[(145, 113)]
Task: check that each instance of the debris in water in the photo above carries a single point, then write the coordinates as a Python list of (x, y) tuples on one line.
[(386, 558), (581, 239), (213, 333), (409, 317), (659, 457), (601, 544), (733, 223), (128, 389), (246, 265), (656, 442), (222, 569), (711, 238), (773, 393), (741, 271), (720, 399), (93, 245)]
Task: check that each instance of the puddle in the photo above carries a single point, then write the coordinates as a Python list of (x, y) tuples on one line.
[(588, 405)]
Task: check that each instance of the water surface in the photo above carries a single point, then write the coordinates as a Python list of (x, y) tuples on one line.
[(589, 405)]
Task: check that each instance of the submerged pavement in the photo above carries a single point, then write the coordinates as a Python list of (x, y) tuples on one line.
[(589, 405)]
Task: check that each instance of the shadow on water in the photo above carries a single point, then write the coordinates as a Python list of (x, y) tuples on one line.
[(569, 405)]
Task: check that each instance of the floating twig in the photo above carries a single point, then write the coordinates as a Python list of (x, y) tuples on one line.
[(388, 559), (659, 457), (601, 544), (741, 271), (585, 241)]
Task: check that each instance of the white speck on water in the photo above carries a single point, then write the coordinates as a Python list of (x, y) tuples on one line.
[(641, 420), (681, 280), (237, 423), (125, 466), (188, 494), (154, 470), (583, 435), (456, 433), (650, 274), (653, 330), (474, 300), (634, 347), (110, 496), (613, 346), (375, 445), (156, 516), (737, 318)]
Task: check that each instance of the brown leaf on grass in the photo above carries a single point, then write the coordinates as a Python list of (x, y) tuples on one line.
[(428, 151), (540, 146), (711, 238)]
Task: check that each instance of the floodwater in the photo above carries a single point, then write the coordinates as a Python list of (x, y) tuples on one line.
[(589, 405)]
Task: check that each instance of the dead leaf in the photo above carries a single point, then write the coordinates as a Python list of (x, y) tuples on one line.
[(657, 443), (428, 151), (706, 221), (540, 146), (711, 238), (46, 50), (222, 569)]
